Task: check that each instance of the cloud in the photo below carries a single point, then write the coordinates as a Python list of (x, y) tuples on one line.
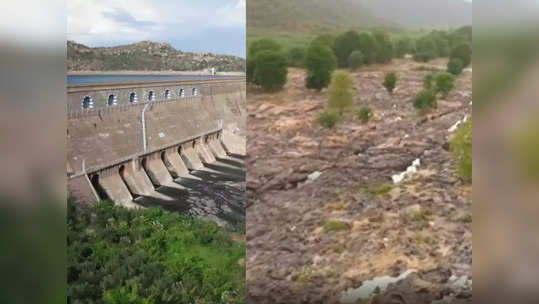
[(113, 22), (124, 17)]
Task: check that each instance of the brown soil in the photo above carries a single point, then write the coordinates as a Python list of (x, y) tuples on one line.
[(310, 240)]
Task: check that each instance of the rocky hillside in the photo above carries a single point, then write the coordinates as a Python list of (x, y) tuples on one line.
[(146, 56), (309, 15)]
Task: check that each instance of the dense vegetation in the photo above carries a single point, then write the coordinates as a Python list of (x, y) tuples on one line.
[(146, 56), (121, 256)]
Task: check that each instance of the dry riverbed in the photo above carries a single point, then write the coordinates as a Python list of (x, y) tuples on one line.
[(323, 215)]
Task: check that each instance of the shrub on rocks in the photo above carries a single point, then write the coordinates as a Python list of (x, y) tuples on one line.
[(464, 52), (461, 148), (328, 119), (365, 114), (426, 100), (384, 47), (355, 60), (455, 66), (345, 44), (320, 62), (255, 48), (341, 92), (390, 81), (269, 70), (445, 82)]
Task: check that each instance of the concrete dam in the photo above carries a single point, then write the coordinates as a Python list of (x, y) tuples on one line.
[(137, 143)]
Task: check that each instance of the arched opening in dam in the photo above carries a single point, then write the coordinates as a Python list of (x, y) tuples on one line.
[(94, 179), (87, 102), (112, 100), (181, 93), (151, 95), (168, 95), (133, 97)]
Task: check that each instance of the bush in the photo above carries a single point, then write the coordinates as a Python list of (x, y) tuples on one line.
[(355, 60), (270, 70), (403, 47), (325, 39), (345, 44), (341, 92), (263, 45), (384, 47), (328, 119), (296, 56), (320, 63), (365, 114), (424, 56), (367, 46), (425, 49), (428, 81), (455, 66), (426, 100), (461, 148), (390, 81), (444, 83), (464, 52), (116, 255)]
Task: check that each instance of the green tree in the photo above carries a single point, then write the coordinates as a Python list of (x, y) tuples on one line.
[(355, 60), (270, 70), (445, 82), (464, 52), (345, 44), (254, 48), (390, 81), (425, 100), (367, 45), (263, 45), (341, 92), (384, 47), (325, 39), (296, 56), (455, 66), (320, 63), (425, 49), (403, 46)]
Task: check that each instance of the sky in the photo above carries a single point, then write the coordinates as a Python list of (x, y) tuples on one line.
[(216, 26)]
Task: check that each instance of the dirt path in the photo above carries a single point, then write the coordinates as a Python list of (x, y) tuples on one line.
[(323, 214)]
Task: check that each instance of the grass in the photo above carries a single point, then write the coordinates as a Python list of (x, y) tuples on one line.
[(336, 226), (461, 148), (423, 237), (335, 205), (304, 277), (380, 190), (423, 215)]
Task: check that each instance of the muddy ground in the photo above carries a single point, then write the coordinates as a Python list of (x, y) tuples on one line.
[(323, 215)]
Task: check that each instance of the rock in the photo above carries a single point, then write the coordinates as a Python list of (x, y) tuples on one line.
[(314, 176)]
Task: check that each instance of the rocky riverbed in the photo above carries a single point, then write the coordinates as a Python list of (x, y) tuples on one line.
[(323, 213)]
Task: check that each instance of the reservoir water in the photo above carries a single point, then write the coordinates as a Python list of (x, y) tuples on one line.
[(84, 79)]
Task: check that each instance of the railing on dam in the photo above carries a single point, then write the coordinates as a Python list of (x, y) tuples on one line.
[(185, 131)]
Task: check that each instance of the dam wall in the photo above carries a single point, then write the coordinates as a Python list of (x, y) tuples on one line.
[(143, 135)]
